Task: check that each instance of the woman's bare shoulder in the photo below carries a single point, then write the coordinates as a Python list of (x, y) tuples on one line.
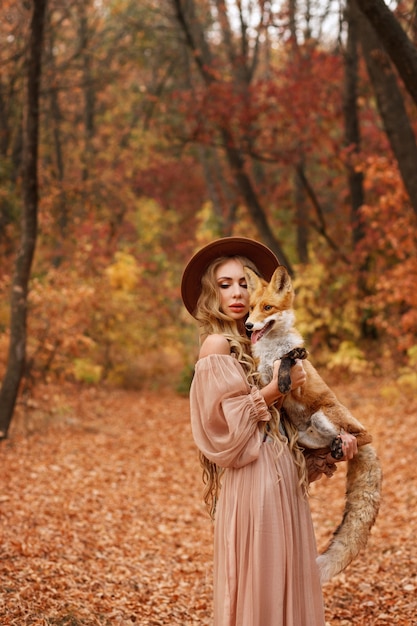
[(214, 344)]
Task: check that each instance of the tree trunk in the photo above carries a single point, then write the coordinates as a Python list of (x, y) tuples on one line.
[(55, 117), (302, 221), (17, 348), (222, 197), (89, 93), (244, 184), (353, 141), (391, 107), (395, 40), (300, 200), (352, 129)]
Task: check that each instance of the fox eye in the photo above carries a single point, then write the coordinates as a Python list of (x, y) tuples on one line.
[(267, 307)]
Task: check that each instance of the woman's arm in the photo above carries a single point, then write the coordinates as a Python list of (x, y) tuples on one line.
[(225, 409)]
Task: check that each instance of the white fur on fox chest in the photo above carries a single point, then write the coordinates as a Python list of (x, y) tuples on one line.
[(275, 344)]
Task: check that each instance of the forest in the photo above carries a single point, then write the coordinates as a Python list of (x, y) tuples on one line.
[(133, 132), (158, 126)]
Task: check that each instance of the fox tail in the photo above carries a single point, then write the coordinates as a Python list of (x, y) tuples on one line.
[(363, 496)]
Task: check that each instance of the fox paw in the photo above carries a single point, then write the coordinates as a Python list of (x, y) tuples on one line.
[(284, 373), (296, 353), (336, 448)]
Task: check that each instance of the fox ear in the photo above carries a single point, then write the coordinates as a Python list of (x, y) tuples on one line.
[(252, 279), (281, 280)]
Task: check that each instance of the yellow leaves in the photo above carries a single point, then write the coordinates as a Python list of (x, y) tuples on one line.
[(327, 316), (123, 273), (407, 379), (209, 226), (152, 222), (101, 317), (405, 383), (348, 357), (412, 354), (87, 371)]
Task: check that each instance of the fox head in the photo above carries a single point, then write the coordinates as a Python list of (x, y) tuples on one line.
[(270, 304)]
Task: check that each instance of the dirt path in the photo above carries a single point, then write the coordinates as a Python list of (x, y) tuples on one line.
[(102, 521)]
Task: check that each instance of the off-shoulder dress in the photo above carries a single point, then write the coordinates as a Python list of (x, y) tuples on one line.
[(265, 571)]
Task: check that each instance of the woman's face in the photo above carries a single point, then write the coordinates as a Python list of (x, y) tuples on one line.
[(231, 282)]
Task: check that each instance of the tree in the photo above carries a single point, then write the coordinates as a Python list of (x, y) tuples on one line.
[(19, 293), (242, 61), (352, 124), (400, 48), (390, 105), (12, 53)]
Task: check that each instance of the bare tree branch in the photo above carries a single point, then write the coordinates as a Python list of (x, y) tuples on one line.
[(319, 226)]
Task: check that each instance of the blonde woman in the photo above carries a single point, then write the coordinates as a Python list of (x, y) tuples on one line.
[(256, 477)]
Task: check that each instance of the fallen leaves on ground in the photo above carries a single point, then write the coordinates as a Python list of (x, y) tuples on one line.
[(102, 519)]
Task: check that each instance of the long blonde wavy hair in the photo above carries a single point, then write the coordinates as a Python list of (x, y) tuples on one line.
[(212, 320)]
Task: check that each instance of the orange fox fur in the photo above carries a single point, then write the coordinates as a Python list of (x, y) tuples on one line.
[(317, 413)]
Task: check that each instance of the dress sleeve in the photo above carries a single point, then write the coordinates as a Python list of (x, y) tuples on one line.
[(317, 465), (226, 411)]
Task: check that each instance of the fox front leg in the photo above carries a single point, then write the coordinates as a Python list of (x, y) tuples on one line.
[(284, 372)]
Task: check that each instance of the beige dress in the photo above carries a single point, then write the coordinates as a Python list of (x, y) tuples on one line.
[(265, 571)]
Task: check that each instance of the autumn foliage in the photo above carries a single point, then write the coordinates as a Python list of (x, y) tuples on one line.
[(165, 124), (150, 147)]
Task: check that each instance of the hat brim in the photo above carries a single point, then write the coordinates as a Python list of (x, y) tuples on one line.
[(263, 258)]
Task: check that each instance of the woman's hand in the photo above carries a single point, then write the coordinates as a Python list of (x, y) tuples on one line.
[(271, 392), (319, 464), (298, 375), (349, 448)]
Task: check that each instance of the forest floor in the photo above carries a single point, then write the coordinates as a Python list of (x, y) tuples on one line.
[(102, 519)]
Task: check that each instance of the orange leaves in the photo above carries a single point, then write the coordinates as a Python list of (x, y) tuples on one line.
[(99, 518), (103, 522), (379, 586), (390, 242)]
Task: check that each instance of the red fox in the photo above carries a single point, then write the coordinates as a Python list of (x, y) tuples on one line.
[(316, 412)]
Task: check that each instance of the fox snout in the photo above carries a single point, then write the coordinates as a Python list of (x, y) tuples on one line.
[(259, 329), (256, 324), (256, 321)]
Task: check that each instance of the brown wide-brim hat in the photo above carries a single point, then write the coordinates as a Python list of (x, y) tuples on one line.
[(263, 258)]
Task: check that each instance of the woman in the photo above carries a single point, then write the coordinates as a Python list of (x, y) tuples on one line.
[(265, 571)]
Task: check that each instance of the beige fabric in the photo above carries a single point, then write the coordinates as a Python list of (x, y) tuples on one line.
[(265, 571)]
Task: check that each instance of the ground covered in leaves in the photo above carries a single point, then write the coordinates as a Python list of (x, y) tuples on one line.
[(102, 521)]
